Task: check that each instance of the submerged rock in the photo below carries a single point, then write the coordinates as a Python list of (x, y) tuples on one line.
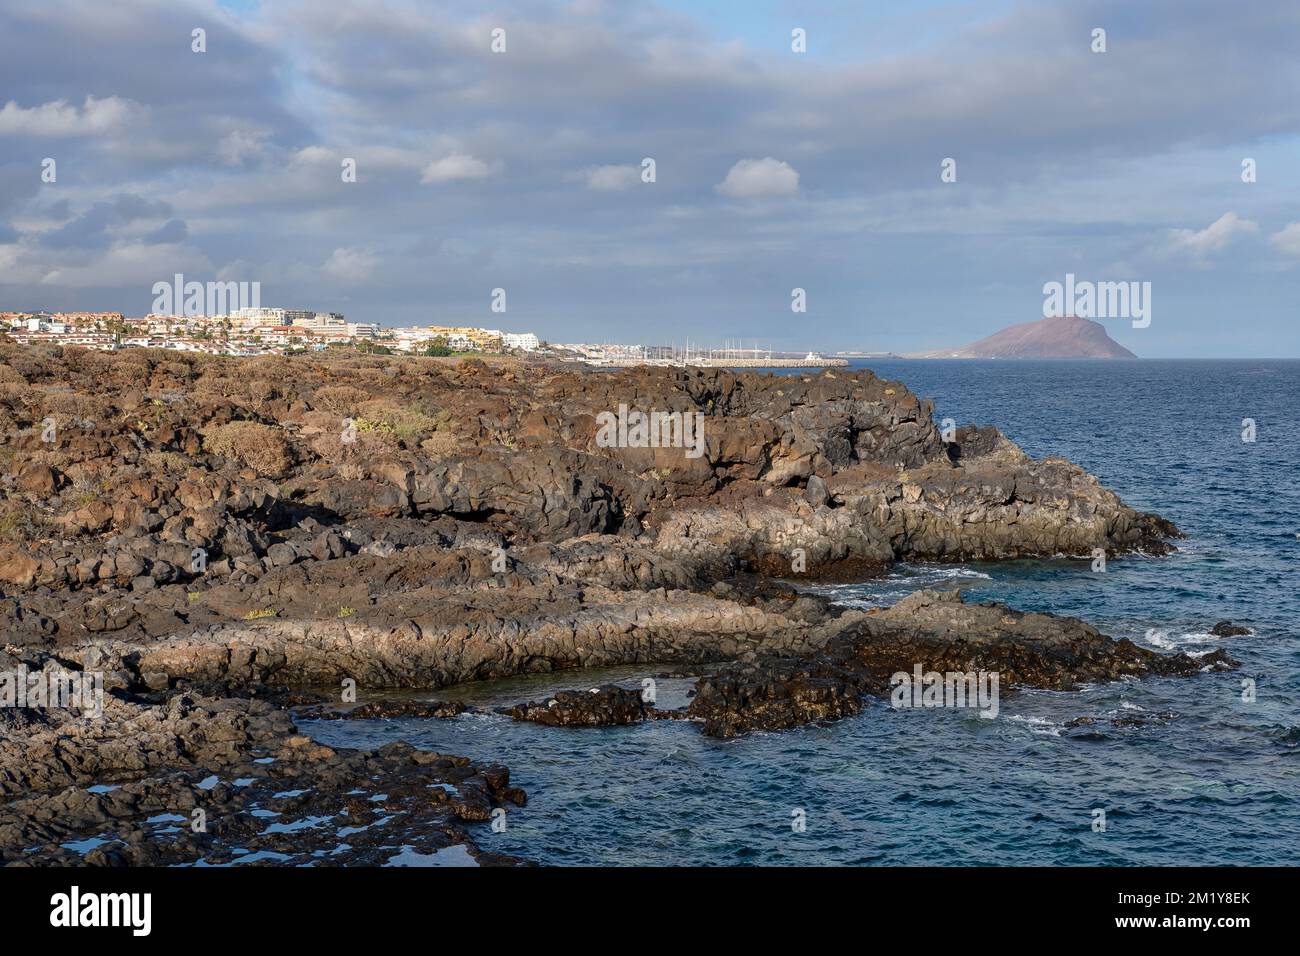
[(1129, 719), (606, 706), (388, 710), (776, 695)]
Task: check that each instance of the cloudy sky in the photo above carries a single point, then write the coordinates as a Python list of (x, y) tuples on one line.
[(773, 169)]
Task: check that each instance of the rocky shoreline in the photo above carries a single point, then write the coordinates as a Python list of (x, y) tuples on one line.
[(211, 533)]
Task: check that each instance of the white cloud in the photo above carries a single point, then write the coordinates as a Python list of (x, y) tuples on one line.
[(612, 178), (455, 166), (1214, 237), (59, 118), (131, 266), (368, 158), (239, 145), (752, 178), (350, 264), (314, 156), (236, 271), (1288, 239)]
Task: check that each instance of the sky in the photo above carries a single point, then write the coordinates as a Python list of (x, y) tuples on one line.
[(774, 170)]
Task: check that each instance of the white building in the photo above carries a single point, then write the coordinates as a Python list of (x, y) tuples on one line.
[(250, 318), (323, 321), (520, 340)]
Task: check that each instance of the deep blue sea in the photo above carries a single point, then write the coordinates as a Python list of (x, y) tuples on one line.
[(1218, 783)]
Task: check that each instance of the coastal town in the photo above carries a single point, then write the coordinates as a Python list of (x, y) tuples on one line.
[(253, 331), (280, 331)]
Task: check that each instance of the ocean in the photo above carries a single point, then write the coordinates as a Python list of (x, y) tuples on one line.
[(1192, 773)]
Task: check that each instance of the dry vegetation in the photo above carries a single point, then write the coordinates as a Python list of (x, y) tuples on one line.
[(162, 416), (261, 447)]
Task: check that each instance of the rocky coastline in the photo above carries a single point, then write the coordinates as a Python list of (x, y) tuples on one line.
[(234, 543)]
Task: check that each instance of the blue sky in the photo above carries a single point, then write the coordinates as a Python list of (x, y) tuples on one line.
[(774, 170)]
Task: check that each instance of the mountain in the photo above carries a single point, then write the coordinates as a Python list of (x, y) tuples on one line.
[(1061, 337)]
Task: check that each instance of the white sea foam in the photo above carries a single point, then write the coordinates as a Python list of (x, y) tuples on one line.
[(1200, 637), (1174, 642), (916, 572), (897, 584), (1037, 725)]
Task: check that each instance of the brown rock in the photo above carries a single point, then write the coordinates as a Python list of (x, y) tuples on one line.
[(17, 567), (36, 479)]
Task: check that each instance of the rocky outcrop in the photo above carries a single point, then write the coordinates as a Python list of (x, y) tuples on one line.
[(387, 710), (941, 631), (209, 532), (776, 695), (998, 504), (935, 632), (172, 487), (435, 635), (607, 706), (221, 781)]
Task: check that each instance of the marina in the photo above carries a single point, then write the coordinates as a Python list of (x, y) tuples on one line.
[(694, 357), (811, 360)]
